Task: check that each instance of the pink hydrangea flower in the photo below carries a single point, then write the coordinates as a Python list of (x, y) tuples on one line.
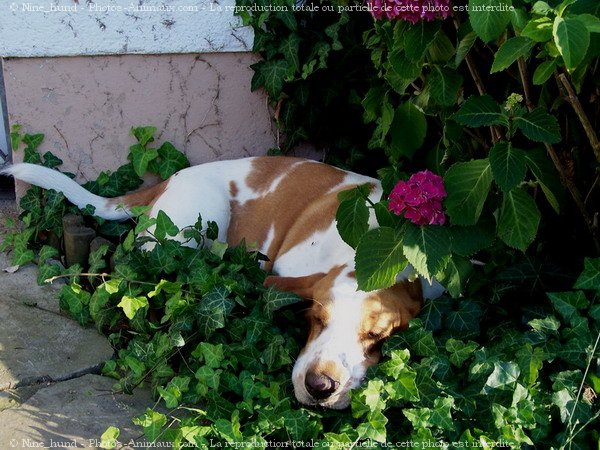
[(410, 10), (420, 199)]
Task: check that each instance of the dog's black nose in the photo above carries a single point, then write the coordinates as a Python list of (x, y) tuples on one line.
[(320, 386)]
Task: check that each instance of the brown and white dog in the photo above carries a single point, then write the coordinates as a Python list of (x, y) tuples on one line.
[(286, 207)]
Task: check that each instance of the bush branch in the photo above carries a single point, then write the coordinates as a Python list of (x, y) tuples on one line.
[(573, 100)]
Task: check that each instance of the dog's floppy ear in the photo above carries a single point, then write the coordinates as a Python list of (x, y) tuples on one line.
[(302, 286)]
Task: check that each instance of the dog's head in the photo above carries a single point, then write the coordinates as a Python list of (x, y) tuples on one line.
[(346, 329)]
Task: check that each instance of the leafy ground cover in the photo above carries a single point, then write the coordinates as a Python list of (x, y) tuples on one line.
[(217, 348)]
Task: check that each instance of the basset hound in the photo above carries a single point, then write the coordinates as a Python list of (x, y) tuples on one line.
[(286, 207)]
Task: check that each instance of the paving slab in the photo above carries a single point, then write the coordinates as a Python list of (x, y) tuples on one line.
[(39, 345), (74, 414)]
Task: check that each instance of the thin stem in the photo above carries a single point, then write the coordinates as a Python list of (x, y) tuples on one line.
[(573, 100), (525, 83)]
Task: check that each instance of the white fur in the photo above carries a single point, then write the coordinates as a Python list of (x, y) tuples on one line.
[(338, 343), (52, 179)]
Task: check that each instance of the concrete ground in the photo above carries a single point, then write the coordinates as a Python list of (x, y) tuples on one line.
[(51, 393)]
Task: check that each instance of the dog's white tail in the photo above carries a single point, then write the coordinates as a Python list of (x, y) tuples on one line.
[(52, 179)]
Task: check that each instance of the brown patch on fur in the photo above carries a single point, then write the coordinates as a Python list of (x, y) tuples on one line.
[(388, 310), (267, 169), (143, 197), (352, 274), (302, 286), (319, 313), (302, 203), (233, 189)]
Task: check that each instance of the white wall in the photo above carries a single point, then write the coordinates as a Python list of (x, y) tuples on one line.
[(44, 28)]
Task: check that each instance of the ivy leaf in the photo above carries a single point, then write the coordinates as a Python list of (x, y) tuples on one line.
[(152, 422), (508, 165), (140, 157), (274, 300), (444, 84), (169, 161), (460, 351), (467, 185), (164, 226), (408, 131), (427, 248), (480, 111), (572, 38), (465, 320), (543, 72), (352, 220), (440, 414), (590, 277), (519, 219), (539, 126), (109, 438), (290, 48), (213, 309), (489, 18), (271, 74), (505, 373), (211, 354), (131, 305), (144, 135), (510, 51), (379, 258)]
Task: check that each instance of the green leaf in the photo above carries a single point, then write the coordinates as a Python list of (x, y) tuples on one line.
[(131, 305), (211, 354), (466, 241), (590, 277), (539, 126), (169, 161), (567, 304), (152, 422), (164, 226), (572, 38), (109, 438), (140, 157), (480, 111), (505, 373), (408, 131), (539, 30), (489, 18), (273, 300), (427, 248), (508, 165), (213, 310), (455, 275), (144, 135), (379, 258), (460, 351), (545, 174), (290, 48), (519, 219), (592, 23), (418, 37), (444, 84), (272, 74), (467, 185), (543, 72), (440, 415), (464, 46), (510, 51), (352, 220)]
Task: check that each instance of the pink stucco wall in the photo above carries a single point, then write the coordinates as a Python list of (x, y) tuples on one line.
[(86, 106)]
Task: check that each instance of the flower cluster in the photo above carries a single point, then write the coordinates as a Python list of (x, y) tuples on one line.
[(410, 10), (420, 199)]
